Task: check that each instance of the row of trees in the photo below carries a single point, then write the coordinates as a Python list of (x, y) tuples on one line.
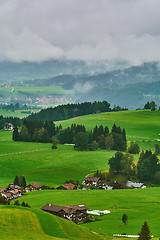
[(100, 137), (72, 110), (35, 131)]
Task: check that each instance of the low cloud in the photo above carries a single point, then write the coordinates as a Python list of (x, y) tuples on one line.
[(90, 30), (83, 88)]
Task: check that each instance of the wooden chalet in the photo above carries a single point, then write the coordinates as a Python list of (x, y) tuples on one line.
[(91, 181), (33, 187), (72, 213), (68, 186)]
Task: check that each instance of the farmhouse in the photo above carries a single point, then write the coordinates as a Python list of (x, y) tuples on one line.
[(68, 186), (33, 187), (8, 127), (72, 213), (91, 181)]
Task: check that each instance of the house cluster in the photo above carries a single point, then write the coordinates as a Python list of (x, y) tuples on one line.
[(11, 192), (96, 182), (15, 191), (72, 213)]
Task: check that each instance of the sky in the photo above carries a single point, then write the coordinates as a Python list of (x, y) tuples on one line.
[(90, 30)]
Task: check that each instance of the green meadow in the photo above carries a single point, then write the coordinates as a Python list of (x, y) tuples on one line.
[(19, 223), (139, 204), (33, 91), (142, 126), (38, 162)]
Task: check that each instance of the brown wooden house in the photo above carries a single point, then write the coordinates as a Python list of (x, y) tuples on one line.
[(33, 187), (68, 186), (91, 181), (72, 213)]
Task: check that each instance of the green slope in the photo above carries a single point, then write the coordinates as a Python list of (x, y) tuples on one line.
[(142, 126), (22, 223), (139, 204)]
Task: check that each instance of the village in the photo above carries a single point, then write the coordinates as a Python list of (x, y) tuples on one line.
[(75, 213)]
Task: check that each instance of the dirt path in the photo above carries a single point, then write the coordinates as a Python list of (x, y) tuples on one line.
[(5, 154)]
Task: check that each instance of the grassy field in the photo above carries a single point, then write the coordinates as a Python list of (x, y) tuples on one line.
[(140, 205), (16, 113), (53, 167), (19, 223), (33, 91), (50, 167), (142, 126)]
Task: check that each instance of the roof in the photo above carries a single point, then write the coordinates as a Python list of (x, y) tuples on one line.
[(67, 209), (36, 185), (69, 186), (93, 179), (133, 184)]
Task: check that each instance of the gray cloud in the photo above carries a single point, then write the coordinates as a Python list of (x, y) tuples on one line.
[(89, 30)]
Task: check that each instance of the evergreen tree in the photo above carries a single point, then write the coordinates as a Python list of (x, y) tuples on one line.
[(145, 233), (23, 182), (16, 180), (124, 218), (15, 135)]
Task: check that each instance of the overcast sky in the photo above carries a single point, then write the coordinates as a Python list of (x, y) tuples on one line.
[(37, 30)]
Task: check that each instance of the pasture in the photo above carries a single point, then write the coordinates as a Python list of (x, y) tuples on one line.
[(142, 126), (139, 204), (38, 162), (22, 223), (33, 91)]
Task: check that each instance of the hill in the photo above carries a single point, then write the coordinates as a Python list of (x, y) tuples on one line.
[(139, 204), (22, 223)]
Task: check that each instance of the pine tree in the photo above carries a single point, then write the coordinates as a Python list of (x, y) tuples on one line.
[(15, 135), (145, 233), (16, 180), (23, 182)]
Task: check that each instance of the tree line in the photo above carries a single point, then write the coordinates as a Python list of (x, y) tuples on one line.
[(67, 111), (100, 137)]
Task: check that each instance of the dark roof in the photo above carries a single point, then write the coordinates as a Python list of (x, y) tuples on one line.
[(93, 179), (67, 209), (36, 185), (68, 186)]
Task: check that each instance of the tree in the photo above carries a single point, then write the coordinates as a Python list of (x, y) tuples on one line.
[(16, 180), (127, 163), (134, 148), (93, 146), (54, 142), (15, 135), (115, 162), (109, 142), (23, 182), (157, 149), (124, 218), (145, 233), (153, 105), (81, 141)]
